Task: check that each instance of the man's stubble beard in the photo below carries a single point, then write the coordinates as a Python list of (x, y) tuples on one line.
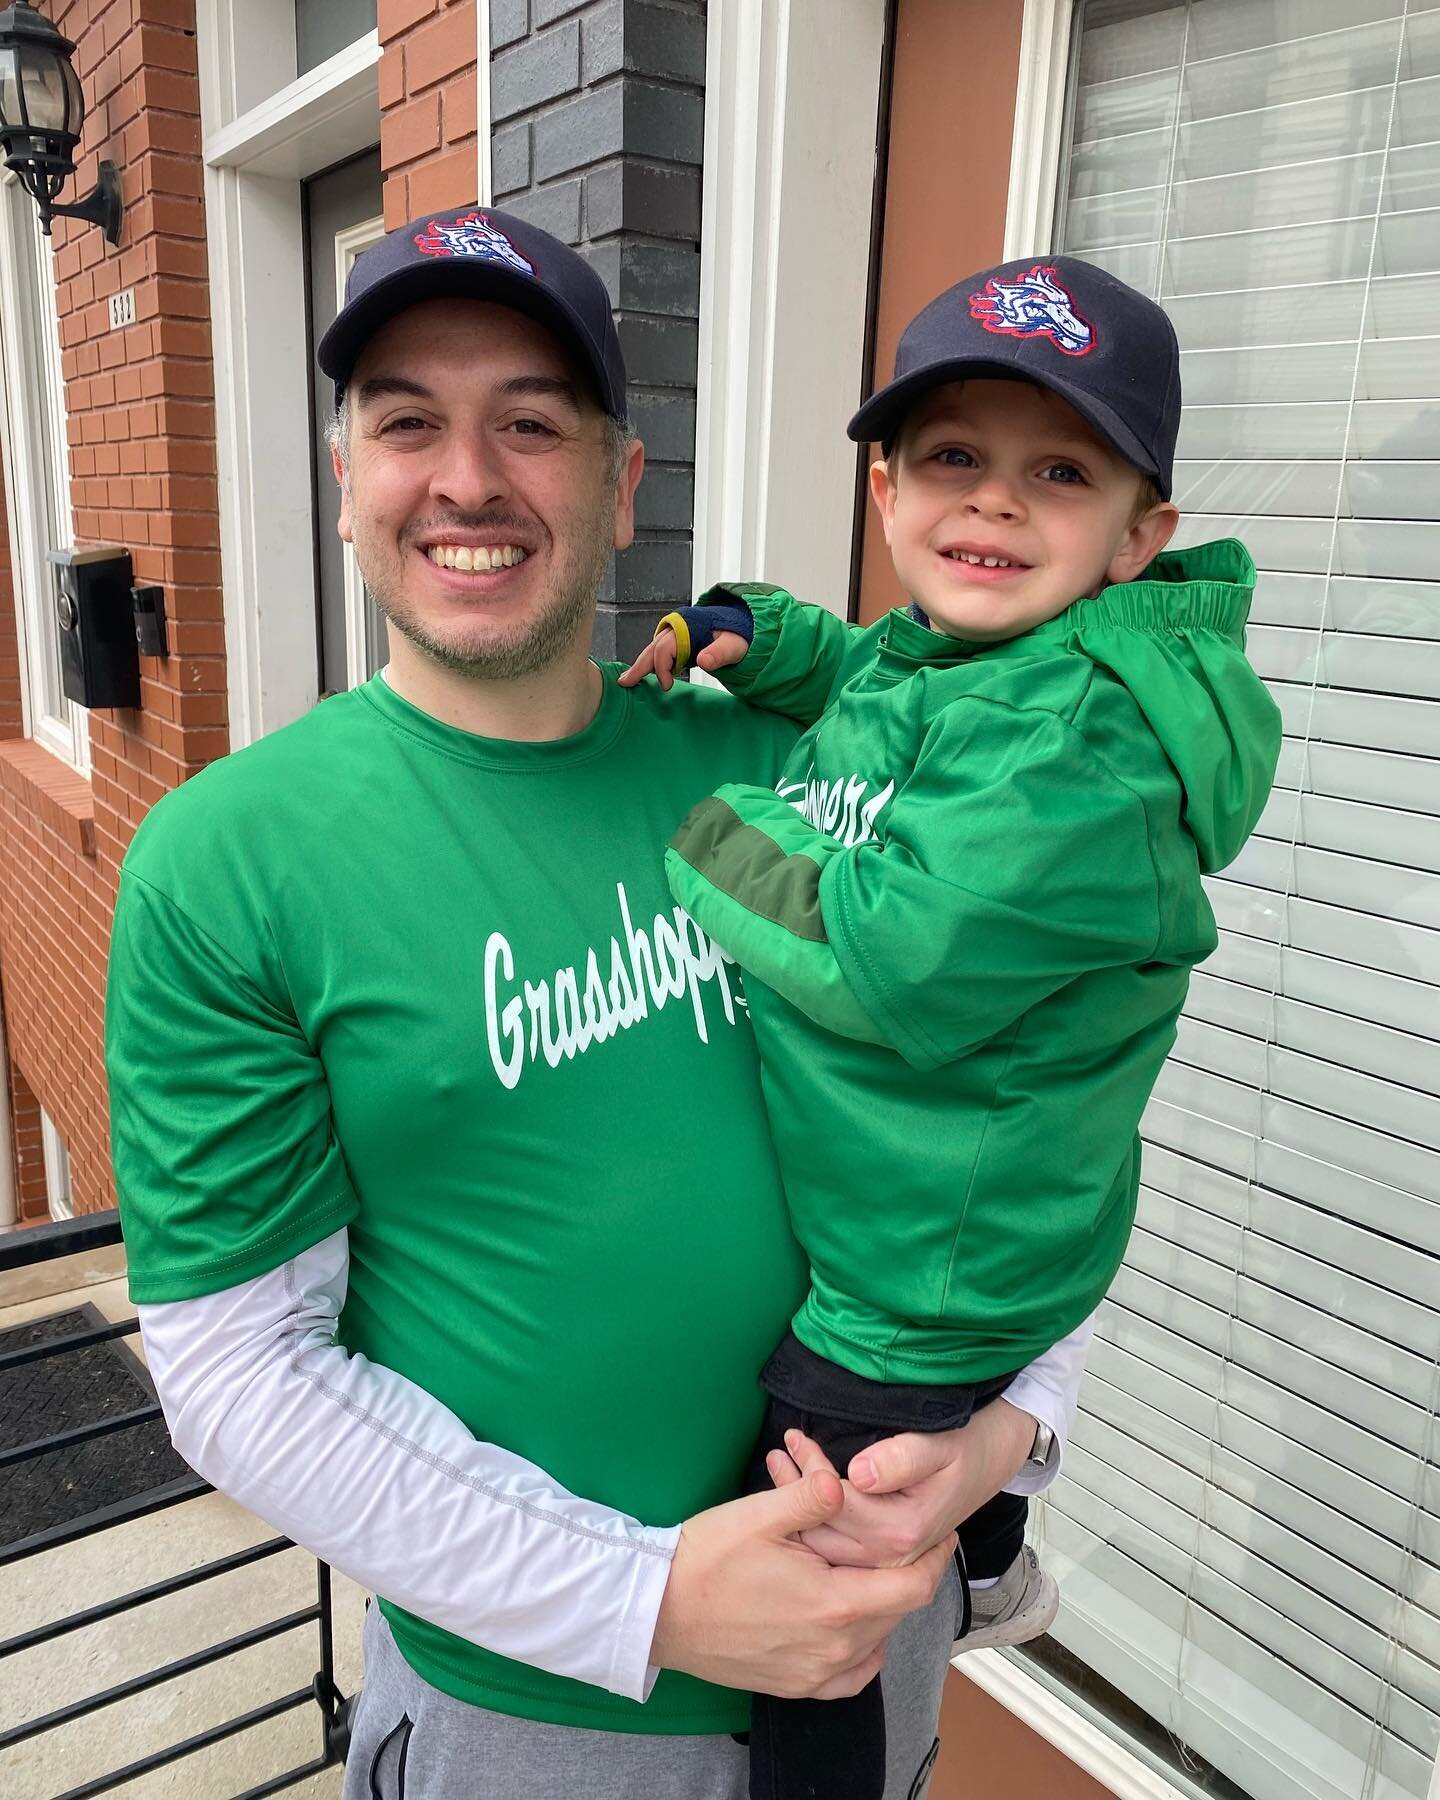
[(544, 637)]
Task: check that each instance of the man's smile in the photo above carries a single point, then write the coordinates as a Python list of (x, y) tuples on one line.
[(476, 556)]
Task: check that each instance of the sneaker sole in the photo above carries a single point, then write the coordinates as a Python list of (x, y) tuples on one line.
[(1033, 1622)]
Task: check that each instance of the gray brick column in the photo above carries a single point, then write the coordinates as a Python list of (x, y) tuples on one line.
[(598, 111)]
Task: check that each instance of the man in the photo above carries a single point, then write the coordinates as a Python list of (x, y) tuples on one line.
[(393, 995)]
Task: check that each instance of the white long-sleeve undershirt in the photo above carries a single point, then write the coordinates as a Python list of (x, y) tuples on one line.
[(379, 1479)]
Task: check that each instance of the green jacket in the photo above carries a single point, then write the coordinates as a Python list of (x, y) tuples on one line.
[(967, 918)]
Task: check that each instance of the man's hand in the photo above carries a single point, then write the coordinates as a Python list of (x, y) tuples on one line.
[(749, 1606), (908, 1493), (658, 658)]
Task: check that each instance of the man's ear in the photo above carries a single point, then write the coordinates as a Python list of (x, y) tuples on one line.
[(1143, 542), (625, 495), (343, 483), (882, 492)]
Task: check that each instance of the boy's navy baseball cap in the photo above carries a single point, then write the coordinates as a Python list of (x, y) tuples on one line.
[(1066, 326), (477, 253)]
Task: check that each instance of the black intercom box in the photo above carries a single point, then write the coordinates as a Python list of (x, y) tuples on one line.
[(99, 658)]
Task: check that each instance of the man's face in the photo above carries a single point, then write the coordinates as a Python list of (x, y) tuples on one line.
[(1001, 507), (478, 496)]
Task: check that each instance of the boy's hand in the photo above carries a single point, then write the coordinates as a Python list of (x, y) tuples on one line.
[(748, 1606), (658, 657), (908, 1493)]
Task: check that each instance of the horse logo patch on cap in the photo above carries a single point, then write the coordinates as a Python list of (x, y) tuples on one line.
[(471, 235), (1033, 305)]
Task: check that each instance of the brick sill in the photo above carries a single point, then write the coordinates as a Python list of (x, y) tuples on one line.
[(52, 790)]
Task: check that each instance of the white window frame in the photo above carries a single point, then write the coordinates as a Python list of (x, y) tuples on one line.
[(1097, 1750), (37, 470), (9, 1198), (784, 273), (263, 133), (1046, 34), (58, 1195)]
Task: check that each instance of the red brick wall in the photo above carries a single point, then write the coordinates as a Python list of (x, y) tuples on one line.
[(427, 106), (141, 428)]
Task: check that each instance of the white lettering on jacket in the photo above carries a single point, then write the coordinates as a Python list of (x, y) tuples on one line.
[(839, 807), (563, 1014)]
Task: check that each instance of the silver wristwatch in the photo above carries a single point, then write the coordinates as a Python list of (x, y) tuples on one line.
[(1039, 1457)]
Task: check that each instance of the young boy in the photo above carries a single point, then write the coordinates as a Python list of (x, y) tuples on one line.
[(968, 914)]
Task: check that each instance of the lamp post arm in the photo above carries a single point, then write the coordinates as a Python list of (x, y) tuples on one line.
[(102, 206)]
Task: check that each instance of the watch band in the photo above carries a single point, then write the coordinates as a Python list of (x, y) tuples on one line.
[(1039, 1456)]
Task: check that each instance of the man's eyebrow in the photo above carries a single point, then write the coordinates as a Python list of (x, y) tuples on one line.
[(542, 387), (386, 387), (547, 387)]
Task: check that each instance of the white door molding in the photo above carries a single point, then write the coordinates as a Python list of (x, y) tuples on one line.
[(1045, 33), (791, 98), (484, 170), (264, 131), (348, 245)]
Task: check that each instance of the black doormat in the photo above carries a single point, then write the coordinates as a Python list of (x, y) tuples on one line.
[(60, 1393)]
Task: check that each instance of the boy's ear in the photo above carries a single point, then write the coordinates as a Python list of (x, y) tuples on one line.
[(882, 492), (1143, 542)]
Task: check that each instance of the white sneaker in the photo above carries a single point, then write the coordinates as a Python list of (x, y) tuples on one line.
[(1021, 1605)]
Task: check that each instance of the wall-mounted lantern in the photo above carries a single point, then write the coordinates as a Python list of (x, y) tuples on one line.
[(41, 114)]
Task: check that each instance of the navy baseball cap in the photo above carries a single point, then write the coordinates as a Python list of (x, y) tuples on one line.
[(477, 253), (1063, 324)]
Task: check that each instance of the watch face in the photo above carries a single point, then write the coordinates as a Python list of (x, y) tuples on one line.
[(65, 611)]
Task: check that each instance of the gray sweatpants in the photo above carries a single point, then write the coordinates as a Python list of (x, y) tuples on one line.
[(411, 1742)]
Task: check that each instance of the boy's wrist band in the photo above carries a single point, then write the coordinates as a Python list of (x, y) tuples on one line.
[(676, 622)]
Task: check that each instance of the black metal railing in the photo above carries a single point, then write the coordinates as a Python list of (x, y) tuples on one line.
[(41, 1243)]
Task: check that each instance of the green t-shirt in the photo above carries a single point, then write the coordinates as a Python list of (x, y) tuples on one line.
[(379, 973)]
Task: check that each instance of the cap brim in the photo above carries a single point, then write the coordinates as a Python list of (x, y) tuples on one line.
[(459, 278), (880, 418)]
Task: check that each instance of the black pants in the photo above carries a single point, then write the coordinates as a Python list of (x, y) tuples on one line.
[(835, 1749)]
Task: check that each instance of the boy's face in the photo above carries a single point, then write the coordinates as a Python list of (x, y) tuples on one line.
[(1008, 474)]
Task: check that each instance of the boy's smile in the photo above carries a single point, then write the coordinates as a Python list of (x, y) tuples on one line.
[(1001, 506)]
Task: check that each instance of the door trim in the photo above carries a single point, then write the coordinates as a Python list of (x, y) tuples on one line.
[(263, 131), (348, 245)]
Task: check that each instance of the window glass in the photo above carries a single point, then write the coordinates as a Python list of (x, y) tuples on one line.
[(323, 27), (1247, 1534)]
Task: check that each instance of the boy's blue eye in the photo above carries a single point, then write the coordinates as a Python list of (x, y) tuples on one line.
[(955, 459), (1066, 474)]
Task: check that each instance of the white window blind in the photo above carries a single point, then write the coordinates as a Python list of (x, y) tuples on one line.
[(1248, 1532)]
